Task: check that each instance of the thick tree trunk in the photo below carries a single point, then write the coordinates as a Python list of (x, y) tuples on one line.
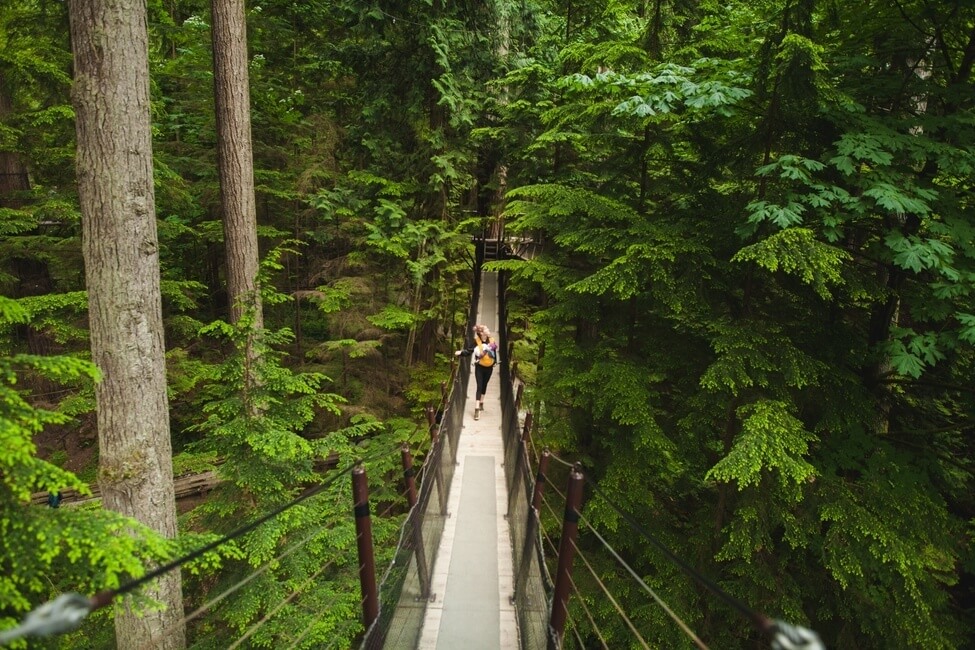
[(114, 164), (235, 156)]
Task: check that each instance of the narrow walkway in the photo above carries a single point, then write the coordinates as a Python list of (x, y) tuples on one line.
[(472, 580)]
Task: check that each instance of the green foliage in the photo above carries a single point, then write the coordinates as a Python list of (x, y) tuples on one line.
[(910, 353), (58, 314), (916, 254), (795, 251), (351, 348), (392, 318), (255, 407), (772, 440), (874, 547), (750, 308), (35, 57), (255, 411), (186, 463), (23, 472), (46, 551), (674, 89), (757, 281), (335, 297)]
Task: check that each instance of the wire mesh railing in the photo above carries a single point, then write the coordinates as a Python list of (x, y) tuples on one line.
[(532, 581), (405, 588)]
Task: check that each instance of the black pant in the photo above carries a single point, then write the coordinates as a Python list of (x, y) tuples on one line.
[(482, 374)]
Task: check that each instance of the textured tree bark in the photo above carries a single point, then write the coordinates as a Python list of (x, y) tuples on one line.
[(115, 184), (235, 156)]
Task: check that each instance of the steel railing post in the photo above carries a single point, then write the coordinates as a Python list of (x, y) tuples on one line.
[(567, 551), (367, 562)]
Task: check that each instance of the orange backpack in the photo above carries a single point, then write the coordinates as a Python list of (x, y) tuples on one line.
[(488, 355)]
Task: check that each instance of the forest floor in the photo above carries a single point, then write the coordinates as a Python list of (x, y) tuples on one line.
[(73, 447)]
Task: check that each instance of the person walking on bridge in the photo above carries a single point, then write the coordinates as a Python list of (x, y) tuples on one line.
[(485, 351)]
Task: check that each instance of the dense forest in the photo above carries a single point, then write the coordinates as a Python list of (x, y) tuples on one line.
[(752, 314)]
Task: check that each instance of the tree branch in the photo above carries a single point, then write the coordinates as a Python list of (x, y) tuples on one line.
[(928, 382), (945, 429), (965, 67)]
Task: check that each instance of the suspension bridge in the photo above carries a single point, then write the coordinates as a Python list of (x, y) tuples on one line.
[(474, 567)]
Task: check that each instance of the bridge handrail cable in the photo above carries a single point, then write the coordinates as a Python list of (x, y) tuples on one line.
[(575, 588), (783, 634), (66, 612), (683, 626)]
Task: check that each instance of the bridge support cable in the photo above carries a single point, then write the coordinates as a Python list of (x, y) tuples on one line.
[(589, 616), (683, 626), (782, 634), (613, 601), (357, 507), (406, 458), (521, 463), (575, 633), (694, 638), (438, 473), (66, 612), (367, 567), (545, 539), (205, 607), (540, 477), (339, 637), (416, 537), (532, 526), (338, 633), (277, 608), (262, 569)]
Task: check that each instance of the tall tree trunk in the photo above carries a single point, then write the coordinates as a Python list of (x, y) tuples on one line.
[(121, 252), (235, 156), (13, 173), (33, 277)]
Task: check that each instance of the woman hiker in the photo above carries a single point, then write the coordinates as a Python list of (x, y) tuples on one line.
[(485, 351)]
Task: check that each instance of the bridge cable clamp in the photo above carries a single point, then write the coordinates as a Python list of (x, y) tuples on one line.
[(786, 636), (63, 614)]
